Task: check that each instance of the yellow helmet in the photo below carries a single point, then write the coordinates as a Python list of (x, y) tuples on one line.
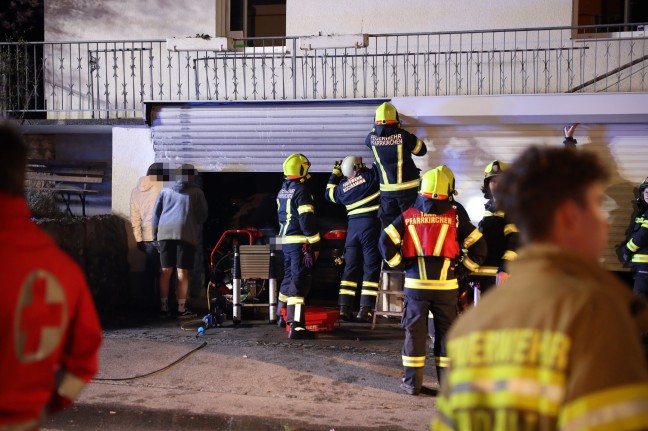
[(451, 179), (296, 166), (494, 168), (434, 185), (386, 114)]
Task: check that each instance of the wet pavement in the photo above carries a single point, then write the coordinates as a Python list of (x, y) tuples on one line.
[(156, 375)]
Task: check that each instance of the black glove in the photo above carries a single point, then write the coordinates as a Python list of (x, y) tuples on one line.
[(627, 257), (337, 168), (309, 256), (141, 246)]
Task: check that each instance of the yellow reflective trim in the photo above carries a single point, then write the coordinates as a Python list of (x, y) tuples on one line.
[(282, 297), (490, 271), (415, 239), (640, 258), (296, 300), (362, 201), (632, 246), (305, 209), (413, 283), (421, 265), (494, 214), (510, 228), (313, 238), (288, 212), (474, 236), (442, 361), (347, 292), (413, 361), (392, 232), (369, 292), (509, 255), (364, 210), (606, 409), (366, 283), (293, 239), (440, 240), (470, 264), (417, 147), (460, 375), (331, 193), (348, 283), (402, 186), (330, 186), (444, 269), (394, 261), (382, 168), (644, 225), (399, 164), (438, 424)]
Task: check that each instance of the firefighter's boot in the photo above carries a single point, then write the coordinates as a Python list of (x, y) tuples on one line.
[(346, 314), (300, 333), (413, 380), (441, 371), (365, 315)]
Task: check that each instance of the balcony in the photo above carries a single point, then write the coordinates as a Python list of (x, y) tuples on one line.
[(106, 80)]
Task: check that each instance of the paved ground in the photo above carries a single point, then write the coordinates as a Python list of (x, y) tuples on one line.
[(250, 378)]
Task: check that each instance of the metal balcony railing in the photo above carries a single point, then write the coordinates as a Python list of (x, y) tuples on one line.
[(112, 79)]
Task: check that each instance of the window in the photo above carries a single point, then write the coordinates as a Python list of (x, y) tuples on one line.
[(610, 15), (254, 18)]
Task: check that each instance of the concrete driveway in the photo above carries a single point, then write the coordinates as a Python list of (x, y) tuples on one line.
[(250, 378)]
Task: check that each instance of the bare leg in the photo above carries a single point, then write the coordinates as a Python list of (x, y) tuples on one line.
[(183, 286), (165, 278)]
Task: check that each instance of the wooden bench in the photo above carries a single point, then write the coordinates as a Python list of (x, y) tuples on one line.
[(65, 177)]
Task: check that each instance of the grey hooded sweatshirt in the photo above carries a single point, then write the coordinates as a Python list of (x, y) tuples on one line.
[(178, 213)]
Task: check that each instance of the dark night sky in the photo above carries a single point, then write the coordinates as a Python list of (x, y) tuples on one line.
[(22, 20)]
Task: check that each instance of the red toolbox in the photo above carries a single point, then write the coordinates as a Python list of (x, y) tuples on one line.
[(318, 319)]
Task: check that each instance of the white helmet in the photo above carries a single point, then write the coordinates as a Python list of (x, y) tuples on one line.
[(350, 165)]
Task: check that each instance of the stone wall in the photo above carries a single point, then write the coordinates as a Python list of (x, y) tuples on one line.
[(98, 244)]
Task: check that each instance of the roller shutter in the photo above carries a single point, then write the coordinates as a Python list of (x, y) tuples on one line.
[(257, 137)]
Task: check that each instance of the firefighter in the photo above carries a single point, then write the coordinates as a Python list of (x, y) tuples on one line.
[(300, 241), (501, 235), (556, 348), (393, 148), (426, 241), (356, 187), (635, 251)]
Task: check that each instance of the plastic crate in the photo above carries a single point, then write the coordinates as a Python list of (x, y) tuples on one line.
[(318, 319)]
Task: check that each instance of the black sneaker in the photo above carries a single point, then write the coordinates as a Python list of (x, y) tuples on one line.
[(165, 314), (186, 314)]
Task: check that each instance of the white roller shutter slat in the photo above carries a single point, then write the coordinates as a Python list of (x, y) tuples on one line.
[(258, 137)]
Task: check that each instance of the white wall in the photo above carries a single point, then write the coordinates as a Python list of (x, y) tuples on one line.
[(132, 155), (70, 20), (308, 17)]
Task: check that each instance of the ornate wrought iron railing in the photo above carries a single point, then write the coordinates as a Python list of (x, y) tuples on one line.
[(112, 79)]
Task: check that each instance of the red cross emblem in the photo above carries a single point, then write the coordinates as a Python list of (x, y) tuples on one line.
[(41, 316)]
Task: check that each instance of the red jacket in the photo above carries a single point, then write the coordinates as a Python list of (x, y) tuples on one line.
[(50, 329)]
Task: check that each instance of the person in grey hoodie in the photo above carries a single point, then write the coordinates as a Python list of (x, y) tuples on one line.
[(142, 201), (177, 214)]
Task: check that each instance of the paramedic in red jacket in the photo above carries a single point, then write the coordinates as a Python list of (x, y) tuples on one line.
[(50, 330)]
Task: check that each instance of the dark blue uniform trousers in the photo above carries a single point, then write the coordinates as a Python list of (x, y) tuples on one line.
[(295, 284), (362, 260), (393, 204)]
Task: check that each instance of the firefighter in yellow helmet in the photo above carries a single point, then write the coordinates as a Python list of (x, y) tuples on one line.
[(501, 234), (393, 148), (426, 241), (300, 238)]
